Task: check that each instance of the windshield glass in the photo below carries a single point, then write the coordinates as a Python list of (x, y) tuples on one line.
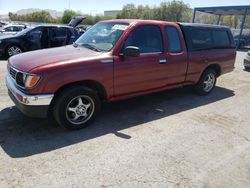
[(102, 36)]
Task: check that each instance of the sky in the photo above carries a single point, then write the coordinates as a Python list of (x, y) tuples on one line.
[(98, 6)]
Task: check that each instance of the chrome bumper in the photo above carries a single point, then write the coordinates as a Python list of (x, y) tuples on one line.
[(30, 100)]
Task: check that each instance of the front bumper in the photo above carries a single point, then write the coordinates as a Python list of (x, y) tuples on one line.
[(30, 105)]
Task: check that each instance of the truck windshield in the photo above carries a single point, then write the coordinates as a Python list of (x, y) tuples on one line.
[(102, 36)]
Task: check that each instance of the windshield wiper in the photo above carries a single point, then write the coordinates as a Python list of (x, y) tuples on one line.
[(89, 46)]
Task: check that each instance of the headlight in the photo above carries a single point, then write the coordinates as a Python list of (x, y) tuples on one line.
[(27, 80)]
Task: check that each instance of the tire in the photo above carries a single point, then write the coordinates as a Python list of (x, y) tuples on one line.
[(207, 82), (75, 108), (13, 50)]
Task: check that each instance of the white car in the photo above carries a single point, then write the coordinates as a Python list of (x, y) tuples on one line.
[(12, 29)]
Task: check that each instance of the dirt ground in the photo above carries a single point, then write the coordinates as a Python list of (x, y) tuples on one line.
[(167, 139)]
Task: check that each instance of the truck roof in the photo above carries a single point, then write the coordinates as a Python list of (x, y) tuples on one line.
[(130, 21)]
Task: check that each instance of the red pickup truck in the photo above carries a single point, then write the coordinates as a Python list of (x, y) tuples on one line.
[(114, 60)]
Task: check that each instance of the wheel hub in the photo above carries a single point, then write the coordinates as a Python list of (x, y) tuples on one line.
[(80, 110)]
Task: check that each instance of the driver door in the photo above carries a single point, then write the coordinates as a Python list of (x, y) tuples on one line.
[(33, 39), (139, 74), (59, 36)]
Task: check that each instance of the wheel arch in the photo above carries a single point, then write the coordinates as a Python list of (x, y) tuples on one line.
[(215, 67), (91, 84)]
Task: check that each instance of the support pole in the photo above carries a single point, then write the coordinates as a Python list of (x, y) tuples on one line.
[(194, 14), (218, 20), (241, 27)]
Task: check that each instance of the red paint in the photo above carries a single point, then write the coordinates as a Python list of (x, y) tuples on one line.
[(126, 76)]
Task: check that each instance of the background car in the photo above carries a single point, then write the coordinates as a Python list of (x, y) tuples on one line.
[(245, 38), (12, 29), (2, 24), (83, 28), (247, 61), (40, 37)]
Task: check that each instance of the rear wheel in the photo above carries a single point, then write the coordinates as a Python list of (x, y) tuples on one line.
[(207, 82), (13, 50), (76, 108)]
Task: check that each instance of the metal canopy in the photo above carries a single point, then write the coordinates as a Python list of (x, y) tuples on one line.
[(226, 10)]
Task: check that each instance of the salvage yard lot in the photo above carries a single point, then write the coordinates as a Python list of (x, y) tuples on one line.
[(167, 139)]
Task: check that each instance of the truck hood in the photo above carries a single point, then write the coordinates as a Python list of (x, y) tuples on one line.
[(66, 54)]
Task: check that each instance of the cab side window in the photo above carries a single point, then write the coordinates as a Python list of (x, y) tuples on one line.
[(59, 36), (9, 29), (173, 40), (35, 34), (147, 38)]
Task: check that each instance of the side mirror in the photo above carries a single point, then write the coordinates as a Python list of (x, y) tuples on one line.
[(131, 51)]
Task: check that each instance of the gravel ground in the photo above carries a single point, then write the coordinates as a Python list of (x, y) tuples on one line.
[(167, 139)]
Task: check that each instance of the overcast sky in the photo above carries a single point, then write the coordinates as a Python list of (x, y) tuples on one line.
[(98, 6)]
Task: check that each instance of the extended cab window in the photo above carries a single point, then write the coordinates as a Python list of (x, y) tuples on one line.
[(201, 39), (147, 38), (221, 39), (173, 40)]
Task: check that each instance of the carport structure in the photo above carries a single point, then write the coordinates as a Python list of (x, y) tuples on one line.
[(226, 11)]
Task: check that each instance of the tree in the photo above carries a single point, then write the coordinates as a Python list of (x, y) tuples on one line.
[(41, 16), (68, 15), (175, 10)]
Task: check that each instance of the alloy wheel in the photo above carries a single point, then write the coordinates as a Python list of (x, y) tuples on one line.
[(13, 50), (208, 83), (80, 109)]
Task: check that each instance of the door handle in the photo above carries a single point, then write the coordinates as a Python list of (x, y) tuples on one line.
[(163, 61)]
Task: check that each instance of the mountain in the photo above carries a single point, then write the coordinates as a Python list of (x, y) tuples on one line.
[(53, 13)]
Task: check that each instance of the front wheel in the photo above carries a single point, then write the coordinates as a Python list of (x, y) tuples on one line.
[(13, 50), (76, 108), (207, 82)]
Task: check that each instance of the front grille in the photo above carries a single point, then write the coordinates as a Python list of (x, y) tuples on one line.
[(12, 72)]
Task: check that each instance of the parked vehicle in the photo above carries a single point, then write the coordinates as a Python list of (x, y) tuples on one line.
[(245, 38), (2, 23), (12, 29), (247, 61), (83, 28), (40, 37), (114, 60)]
